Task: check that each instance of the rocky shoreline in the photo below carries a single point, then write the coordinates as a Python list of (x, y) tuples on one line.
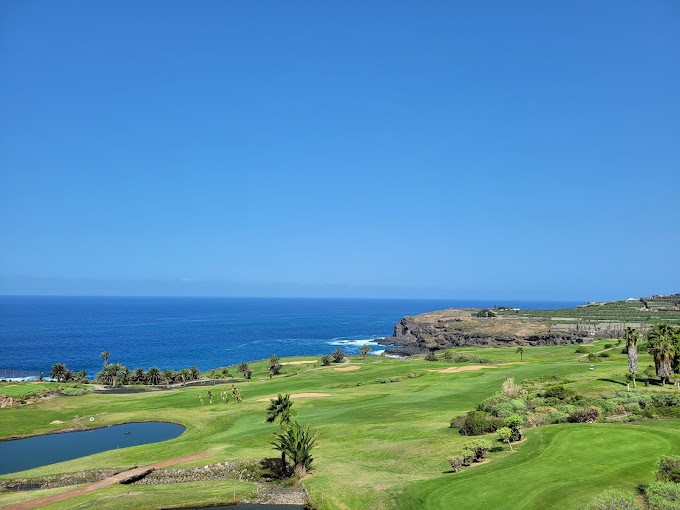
[(462, 327)]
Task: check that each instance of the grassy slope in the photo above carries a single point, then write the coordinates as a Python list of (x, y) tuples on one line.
[(378, 441)]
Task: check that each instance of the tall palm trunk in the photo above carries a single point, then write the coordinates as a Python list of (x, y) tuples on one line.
[(633, 361)]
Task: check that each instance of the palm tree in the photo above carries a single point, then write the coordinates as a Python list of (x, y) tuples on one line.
[(662, 347), (245, 369), (184, 375), (59, 372), (631, 336), (280, 408), (195, 373), (169, 376), (274, 365), (137, 376), (105, 355), (296, 441), (154, 376), (520, 350)]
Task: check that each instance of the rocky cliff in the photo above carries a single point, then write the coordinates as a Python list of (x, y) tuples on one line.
[(462, 327)]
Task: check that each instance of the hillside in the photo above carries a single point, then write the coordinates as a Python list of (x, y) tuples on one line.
[(458, 327)]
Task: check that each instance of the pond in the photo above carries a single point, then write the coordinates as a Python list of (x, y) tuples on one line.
[(32, 452)]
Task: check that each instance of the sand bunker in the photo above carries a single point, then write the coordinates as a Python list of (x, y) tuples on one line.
[(298, 395), (56, 422), (301, 362), (466, 368), (347, 369)]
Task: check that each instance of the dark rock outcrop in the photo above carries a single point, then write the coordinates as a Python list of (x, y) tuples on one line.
[(460, 328)]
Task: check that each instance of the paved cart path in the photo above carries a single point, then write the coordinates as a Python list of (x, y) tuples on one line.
[(106, 482)]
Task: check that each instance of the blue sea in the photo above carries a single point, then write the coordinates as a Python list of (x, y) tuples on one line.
[(175, 332)]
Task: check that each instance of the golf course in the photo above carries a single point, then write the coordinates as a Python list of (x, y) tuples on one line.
[(385, 433)]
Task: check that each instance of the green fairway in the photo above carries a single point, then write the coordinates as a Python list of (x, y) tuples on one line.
[(561, 466), (384, 435)]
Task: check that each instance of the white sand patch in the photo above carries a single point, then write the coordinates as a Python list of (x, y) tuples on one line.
[(466, 368), (347, 369), (301, 362)]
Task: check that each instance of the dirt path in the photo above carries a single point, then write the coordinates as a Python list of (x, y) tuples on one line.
[(106, 482)]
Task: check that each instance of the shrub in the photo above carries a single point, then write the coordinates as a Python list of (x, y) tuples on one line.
[(431, 356), (587, 415), (511, 389), (485, 313), (666, 400), (560, 392), (663, 496), (326, 360), (456, 463), (581, 350), (476, 423), (448, 356), (592, 357), (474, 451), (614, 500), (608, 346), (604, 355), (338, 355), (668, 468)]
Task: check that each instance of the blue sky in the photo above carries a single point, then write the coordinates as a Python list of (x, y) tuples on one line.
[(369, 149)]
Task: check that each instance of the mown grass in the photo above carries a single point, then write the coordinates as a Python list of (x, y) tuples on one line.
[(383, 444)]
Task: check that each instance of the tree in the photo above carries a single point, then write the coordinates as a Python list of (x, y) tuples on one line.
[(245, 369), (280, 408), (364, 350), (195, 373), (184, 375), (326, 360), (631, 336), (514, 423), (168, 376), (662, 346), (296, 442), (338, 355), (274, 365), (520, 350), (105, 355), (59, 372), (138, 376), (505, 435), (113, 374), (154, 376)]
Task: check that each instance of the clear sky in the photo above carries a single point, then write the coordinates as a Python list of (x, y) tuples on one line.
[(495, 149)]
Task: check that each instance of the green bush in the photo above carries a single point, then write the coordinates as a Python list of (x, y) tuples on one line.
[(604, 355), (561, 393), (588, 415), (615, 500), (608, 346), (581, 350), (668, 468), (476, 423), (474, 451), (456, 463), (663, 496), (431, 356)]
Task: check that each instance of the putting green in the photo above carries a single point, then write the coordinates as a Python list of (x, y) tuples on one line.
[(560, 466)]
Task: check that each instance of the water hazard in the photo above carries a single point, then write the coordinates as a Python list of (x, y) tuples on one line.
[(32, 452)]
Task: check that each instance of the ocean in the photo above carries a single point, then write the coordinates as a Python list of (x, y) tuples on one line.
[(176, 332)]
